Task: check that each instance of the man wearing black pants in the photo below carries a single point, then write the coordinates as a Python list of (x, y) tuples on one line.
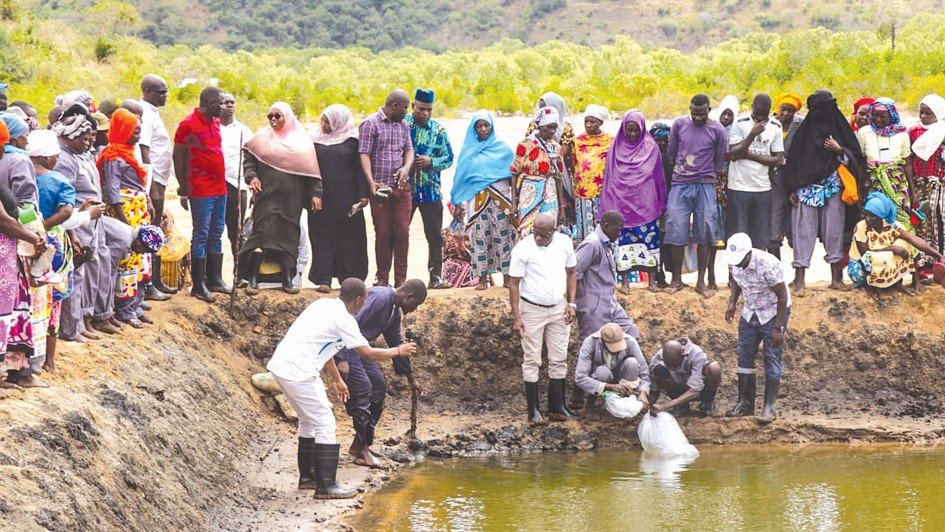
[(234, 135), (380, 315), (433, 154)]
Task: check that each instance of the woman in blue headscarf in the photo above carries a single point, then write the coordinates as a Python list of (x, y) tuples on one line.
[(480, 195), (883, 250)]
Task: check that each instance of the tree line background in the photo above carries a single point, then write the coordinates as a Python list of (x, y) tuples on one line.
[(42, 58)]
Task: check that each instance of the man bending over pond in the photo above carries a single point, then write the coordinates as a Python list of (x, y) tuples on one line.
[(322, 330), (682, 369)]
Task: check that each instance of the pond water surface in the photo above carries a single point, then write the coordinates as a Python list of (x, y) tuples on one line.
[(747, 488)]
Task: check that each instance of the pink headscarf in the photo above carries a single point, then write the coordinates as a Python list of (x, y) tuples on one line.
[(342, 126), (288, 150)]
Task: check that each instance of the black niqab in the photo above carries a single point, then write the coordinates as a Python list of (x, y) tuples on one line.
[(808, 162)]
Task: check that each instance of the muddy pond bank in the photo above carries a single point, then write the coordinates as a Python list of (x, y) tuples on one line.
[(162, 430)]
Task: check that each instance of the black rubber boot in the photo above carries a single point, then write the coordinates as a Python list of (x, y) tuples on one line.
[(199, 274), (215, 281), (326, 470), (306, 460), (156, 279), (746, 396), (255, 260), (152, 293), (287, 279), (556, 409), (531, 398), (772, 387)]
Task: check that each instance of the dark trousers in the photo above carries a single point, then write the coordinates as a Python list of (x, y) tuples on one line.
[(157, 199), (367, 387), (235, 207), (431, 213), (750, 212), (751, 334)]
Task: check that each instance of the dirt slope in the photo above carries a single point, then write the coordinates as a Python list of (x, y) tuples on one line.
[(162, 430)]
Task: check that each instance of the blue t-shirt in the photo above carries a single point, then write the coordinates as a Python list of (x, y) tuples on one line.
[(54, 192)]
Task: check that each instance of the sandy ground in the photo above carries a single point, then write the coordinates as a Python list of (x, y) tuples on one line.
[(162, 430)]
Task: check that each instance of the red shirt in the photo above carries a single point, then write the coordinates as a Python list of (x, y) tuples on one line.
[(207, 172)]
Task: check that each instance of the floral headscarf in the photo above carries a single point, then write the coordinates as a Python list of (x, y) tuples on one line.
[(895, 124)]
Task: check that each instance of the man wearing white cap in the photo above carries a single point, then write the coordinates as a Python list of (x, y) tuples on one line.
[(611, 360), (758, 276)]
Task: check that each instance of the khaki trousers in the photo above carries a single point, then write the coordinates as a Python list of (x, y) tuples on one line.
[(548, 326)]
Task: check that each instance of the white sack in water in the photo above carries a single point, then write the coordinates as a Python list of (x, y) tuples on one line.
[(622, 407), (662, 436)]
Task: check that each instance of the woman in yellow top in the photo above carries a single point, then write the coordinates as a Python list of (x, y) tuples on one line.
[(885, 144), (588, 158), (883, 251)]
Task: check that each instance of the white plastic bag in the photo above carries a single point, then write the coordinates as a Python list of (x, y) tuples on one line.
[(662, 436), (622, 407)]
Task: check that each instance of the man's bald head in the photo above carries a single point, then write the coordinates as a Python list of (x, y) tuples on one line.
[(396, 104), (672, 353), (132, 106), (545, 222), (154, 90), (410, 295), (544, 229)]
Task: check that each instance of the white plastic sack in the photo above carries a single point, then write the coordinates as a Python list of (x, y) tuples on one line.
[(622, 407), (662, 436)]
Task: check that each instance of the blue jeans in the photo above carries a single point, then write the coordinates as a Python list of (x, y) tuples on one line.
[(209, 216), (696, 202), (750, 335)]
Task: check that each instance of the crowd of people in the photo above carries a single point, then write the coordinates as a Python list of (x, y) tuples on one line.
[(565, 218)]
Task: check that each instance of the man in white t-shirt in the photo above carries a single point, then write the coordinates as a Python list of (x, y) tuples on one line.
[(156, 154), (233, 135), (756, 144), (322, 330), (542, 295)]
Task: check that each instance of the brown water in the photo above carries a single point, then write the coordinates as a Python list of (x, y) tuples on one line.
[(757, 488)]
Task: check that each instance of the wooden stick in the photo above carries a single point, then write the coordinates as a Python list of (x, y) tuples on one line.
[(414, 402)]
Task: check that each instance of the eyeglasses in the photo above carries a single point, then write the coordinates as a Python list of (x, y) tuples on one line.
[(274, 116)]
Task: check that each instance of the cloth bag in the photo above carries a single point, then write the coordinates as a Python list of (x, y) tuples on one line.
[(661, 435)]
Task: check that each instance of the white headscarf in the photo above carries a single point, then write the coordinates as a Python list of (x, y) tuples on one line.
[(597, 111), (548, 115), (925, 146), (43, 143), (552, 99), (729, 103)]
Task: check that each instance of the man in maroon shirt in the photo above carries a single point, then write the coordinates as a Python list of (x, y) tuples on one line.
[(198, 164)]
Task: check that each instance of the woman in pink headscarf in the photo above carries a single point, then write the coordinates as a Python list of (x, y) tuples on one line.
[(634, 186), (338, 232), (281, 168)]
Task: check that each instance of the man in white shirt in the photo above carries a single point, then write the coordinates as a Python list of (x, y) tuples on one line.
[(756, 144), (322, 330), (156, 154), (542, 293), (233, 135)]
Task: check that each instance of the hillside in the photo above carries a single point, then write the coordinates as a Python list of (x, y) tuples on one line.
[(443, 24)]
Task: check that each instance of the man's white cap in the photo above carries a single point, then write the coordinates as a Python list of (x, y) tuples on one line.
[(737, 247)]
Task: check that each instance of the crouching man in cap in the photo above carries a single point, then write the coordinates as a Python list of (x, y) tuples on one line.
[(682, 370), (611, 360), (323, 329)]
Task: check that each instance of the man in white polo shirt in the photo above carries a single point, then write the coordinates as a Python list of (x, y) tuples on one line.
[(322, 330), (542, 293)]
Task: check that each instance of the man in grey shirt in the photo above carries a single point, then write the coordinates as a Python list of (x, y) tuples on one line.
[(682, 369), (611, 360)]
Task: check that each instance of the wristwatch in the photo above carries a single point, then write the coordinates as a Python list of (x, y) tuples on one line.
[(783, 329), (573, 305)]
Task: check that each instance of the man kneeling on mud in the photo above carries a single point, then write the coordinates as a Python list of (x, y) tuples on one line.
[(611, 360), (322, 330), (684, 372)]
